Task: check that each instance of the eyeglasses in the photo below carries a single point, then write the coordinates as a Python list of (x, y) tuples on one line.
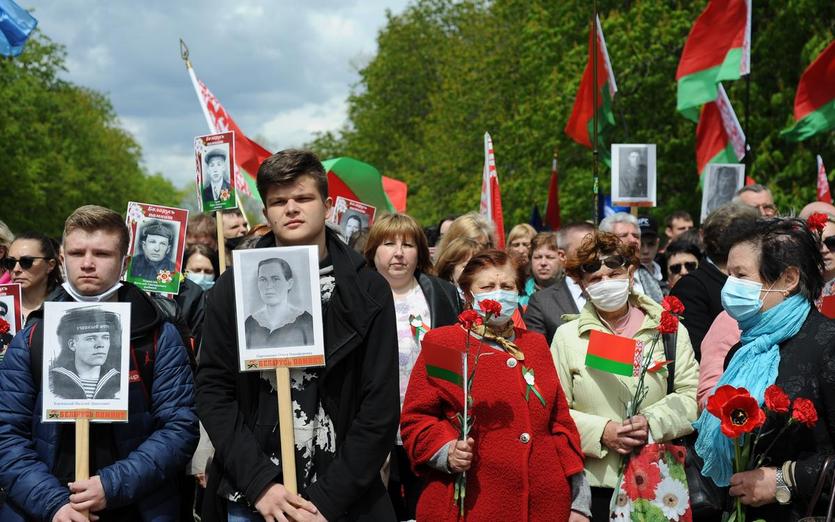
[(615, 261), (26, 262), (829, 243), (689, 265)]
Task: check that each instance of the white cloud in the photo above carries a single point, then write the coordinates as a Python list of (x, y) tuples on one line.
[(298, 125)]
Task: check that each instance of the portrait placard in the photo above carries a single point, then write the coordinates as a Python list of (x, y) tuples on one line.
[(214, 156), (353, 217), (157, 241), (633, 175), (278, 307), (721, 182), (10, 315), (86, 361)]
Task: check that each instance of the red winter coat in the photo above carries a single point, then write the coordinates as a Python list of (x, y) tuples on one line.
[(524, 451)]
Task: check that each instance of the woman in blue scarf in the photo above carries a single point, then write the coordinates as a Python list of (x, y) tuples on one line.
[(775, 275)]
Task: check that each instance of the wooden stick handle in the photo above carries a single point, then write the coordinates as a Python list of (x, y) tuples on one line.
[(82, 452), (221, 243), (285, 424)]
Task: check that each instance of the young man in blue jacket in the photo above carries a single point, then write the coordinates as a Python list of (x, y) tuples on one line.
[(345, 414), (136, 465)]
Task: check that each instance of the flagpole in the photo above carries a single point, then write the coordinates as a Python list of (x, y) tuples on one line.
[(595, 94)]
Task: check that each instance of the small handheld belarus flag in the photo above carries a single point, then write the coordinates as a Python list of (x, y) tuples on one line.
[(611, 353), (442, 362)]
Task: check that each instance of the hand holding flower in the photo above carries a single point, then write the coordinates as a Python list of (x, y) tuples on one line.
[(460, 456)]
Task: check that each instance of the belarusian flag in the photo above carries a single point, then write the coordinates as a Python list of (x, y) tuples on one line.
[(611, 353), (814, 103), (719, 137), (442, 362), (491, 196), (552, 211), (718, 48), (248, 154), (823, 183), (580, 126)]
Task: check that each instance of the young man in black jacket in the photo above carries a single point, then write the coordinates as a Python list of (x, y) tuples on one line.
[(345, 414)]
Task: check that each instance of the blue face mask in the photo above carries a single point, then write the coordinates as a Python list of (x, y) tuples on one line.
[(509, 301), (741, 298), (205, 281)]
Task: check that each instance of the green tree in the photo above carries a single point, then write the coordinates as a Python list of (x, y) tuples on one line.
[(62, 146)]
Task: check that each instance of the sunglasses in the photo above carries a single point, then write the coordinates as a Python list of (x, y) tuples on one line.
[(829, 243), (26, 262), (615, 261), (689, 265)]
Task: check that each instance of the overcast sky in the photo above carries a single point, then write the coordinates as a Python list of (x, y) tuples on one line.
[(283, 70)]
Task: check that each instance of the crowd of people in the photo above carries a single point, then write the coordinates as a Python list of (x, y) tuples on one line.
[(378, 436)]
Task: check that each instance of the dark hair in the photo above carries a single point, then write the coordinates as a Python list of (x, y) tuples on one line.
[(679, 214), (783, 243), (391, 226), (286, 166), (48, 250), (593, 246), (203, 250), (157, 228), (490, 258), (718, 225), (682, 246), (285, 267)]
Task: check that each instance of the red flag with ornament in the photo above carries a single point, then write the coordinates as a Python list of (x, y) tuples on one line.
[(719, 136), (491, 197), (248, 154), (552, 211), (823, 183)]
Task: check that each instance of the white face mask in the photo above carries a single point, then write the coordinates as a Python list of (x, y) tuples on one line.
[(609, 295)]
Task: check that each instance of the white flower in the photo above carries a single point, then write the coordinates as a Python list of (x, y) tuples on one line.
[(672, 497), (529, 378), (665, 469), (135, 213), (623, 507)]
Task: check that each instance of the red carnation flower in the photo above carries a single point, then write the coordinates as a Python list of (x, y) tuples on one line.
[(4, 326), (776, 399), (673, 304), (641, 475), (804, 412), (668, 323), (469, 318), (817, 221), (490, 307), (737, 411)]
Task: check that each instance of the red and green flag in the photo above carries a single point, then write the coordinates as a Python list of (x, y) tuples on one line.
[(814, 103), (442, 362), (823, 183), (357, 180), (717, 49), (580, 126), (719, 136), (611, 353)]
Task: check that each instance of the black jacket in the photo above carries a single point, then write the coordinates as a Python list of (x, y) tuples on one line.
[(546, 308), (358, 389), (807, 369), (701, 294), (442, 299)]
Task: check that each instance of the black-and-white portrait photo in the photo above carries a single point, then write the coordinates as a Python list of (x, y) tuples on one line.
[(633, 173), (353, 223), (216, 177), (721, 183), (278, 302), (86, 350), (155, 248)]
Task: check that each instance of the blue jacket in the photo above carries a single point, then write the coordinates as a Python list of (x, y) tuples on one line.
[(152, 448)]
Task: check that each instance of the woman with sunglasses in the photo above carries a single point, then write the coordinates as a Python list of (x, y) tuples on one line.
[(605, 267), (681, 257), (33, 263)]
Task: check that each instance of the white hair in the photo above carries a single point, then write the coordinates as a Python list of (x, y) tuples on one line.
[(608, 223)]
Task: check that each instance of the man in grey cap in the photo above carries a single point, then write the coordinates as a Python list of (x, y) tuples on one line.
[(217, 179), (156, 240), (88, 365)]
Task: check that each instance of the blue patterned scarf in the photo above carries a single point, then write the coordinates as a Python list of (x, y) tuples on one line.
[(754, 367)]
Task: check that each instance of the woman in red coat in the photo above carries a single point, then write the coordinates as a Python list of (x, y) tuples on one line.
[(522, 457)]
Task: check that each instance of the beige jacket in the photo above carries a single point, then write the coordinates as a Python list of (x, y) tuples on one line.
[(596, 397)]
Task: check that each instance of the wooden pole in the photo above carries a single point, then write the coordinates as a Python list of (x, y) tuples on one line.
[(221, 243), (595, 153), (285, 426), (82, 452)]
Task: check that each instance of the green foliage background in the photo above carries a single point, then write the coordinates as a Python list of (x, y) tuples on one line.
[(61, 146), (446, 72)]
